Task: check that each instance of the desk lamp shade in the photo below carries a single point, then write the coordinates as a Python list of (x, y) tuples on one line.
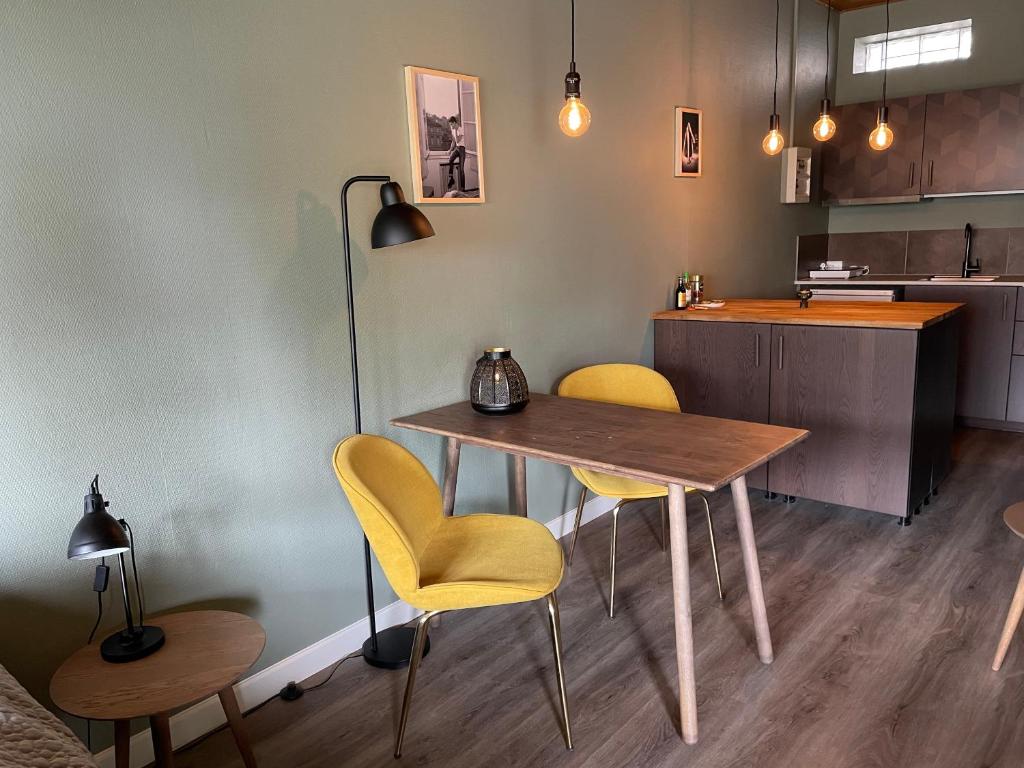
[(97, 534), (397, 222)]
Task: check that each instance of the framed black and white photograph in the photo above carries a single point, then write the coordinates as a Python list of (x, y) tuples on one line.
[(445, 136), (689, 142)]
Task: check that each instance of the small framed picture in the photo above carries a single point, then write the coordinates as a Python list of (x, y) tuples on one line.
[(689, 141), (445, 136)]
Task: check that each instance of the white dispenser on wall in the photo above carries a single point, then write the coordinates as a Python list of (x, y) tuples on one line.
[(796, 175)]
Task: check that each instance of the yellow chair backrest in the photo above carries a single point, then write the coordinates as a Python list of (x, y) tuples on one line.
[(396, 500), (623, 384)]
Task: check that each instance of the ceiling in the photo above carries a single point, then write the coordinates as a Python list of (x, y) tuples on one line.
[(853, 5)]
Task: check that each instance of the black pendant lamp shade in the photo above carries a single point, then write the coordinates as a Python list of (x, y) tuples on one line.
[(397, 222), (97, 534)]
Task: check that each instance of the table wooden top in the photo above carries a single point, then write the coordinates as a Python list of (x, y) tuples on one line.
[(655, 446), (906, 315), (205, 651)]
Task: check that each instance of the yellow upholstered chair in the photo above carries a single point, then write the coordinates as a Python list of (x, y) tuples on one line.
[(637, 386), (438, 563)]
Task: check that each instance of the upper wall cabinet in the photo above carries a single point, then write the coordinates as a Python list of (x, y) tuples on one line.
[(853, 173), (974, 141)]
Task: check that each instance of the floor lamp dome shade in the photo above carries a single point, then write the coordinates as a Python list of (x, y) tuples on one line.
[(397, 222), (97, 534)]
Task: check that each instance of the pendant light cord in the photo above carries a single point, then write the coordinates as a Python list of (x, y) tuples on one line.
[(572, 33), (885, 54), (775, 89), (828, 43)]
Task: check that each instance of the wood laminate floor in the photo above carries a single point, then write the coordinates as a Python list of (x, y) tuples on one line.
[(883, 638)]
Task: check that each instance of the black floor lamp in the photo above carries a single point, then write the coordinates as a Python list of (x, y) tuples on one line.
[(397, 222)]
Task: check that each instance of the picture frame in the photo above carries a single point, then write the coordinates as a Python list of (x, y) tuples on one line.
[(445, 136), (689, 142)]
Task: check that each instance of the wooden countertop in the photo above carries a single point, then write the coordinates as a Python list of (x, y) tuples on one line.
[(1002, 281), (907, 315)]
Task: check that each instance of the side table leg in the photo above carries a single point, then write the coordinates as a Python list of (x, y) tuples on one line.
[(519, 486), (122, 743), (160, 726), (234, 715)]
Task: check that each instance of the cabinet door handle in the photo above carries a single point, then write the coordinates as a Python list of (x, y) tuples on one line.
[(757, 350), (781, 340), (913, 169), (1004, 306), (931, 172)]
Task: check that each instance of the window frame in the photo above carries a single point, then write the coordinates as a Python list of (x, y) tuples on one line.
[(868, 49)]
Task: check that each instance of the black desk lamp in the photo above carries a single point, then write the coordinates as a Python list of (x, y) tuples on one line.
[(397, 222), (98, 534)]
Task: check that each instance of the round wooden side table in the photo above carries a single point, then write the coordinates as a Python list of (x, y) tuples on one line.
[(206, 653)]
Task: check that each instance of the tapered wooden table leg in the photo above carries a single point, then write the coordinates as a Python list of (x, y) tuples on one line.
[(160, 727), (683, 618), (519, 485), (122, 743), (741, 502), (1012, 620), (451, 474), (234, 715)]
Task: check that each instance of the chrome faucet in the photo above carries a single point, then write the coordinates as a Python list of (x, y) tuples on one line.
[(969, 269)]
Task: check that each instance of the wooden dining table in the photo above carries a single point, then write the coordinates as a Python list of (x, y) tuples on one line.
[(678, 450)]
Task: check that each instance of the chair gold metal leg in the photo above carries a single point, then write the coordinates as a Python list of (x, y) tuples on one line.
[(556, 641), (576, 525), (714, 549), (664, 524), (417, 653), (615, 541)]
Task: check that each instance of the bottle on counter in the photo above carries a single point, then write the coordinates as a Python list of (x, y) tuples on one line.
[(687, 290), (682, 298), (697, 289)]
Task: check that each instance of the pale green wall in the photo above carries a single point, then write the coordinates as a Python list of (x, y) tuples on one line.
[(171, 279), (996, 59)]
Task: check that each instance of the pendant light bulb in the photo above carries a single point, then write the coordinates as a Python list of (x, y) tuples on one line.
[(773, 141), (574, 118), (882, 137), (825, 128)]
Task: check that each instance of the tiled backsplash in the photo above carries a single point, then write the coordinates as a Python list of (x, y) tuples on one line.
[(926, 252)]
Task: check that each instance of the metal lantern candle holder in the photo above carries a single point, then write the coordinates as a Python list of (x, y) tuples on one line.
[(499, 384)]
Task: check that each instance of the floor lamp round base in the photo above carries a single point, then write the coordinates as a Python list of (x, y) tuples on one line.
[(394, 648)]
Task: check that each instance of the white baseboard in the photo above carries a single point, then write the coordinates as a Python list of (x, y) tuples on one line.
[(593, 509), (202, 718), (199, 719)]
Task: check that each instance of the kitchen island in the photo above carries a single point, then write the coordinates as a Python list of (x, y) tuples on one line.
[(875, 383), (990, 376)]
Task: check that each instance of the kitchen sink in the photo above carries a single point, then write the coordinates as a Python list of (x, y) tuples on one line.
[(957, 278)]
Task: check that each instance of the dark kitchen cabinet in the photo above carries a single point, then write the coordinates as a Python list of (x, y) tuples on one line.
[(1015, 402), (853, 388), (717, 369), (974, 141), (986, 345), (878, 402), (853, 172)]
